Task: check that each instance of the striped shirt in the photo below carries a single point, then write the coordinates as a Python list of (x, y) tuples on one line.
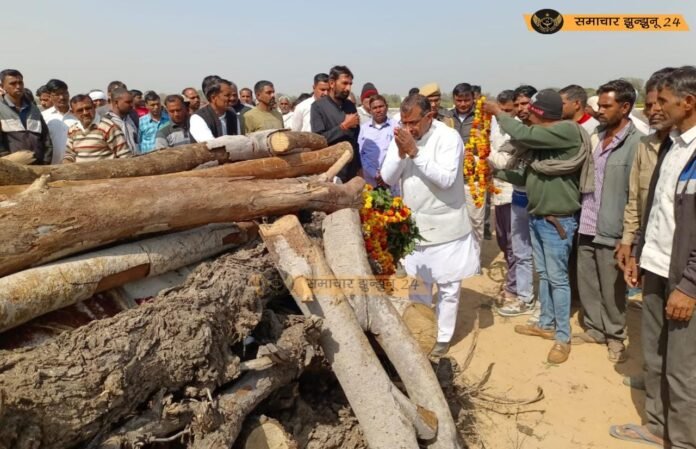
[(591, 202), (103, 139), (173, 135)]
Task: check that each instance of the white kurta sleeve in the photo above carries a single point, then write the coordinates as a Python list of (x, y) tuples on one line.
[(393, 165), (199, 129), (444, 172)]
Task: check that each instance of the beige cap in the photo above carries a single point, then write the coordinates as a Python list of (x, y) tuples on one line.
[(593, 102), (430, 89)]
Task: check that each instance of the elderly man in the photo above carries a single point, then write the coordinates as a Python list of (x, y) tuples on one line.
[(21, 125), (426, 159), (285, 109), (98, 98), (665, 254), (177, 131), (192, 99), (93, 138), (301, 118)]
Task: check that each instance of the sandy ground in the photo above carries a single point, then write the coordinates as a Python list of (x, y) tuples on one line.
[(582, 397)]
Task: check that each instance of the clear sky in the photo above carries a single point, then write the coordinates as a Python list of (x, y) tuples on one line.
[(168, 45)]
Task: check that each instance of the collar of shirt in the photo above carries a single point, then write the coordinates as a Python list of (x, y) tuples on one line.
[(374, 125), (684, 139), (94, 123), (584, 118), (618, 137), (10, 103)]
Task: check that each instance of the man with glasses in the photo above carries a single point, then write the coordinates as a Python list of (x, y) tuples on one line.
[(426, 158)]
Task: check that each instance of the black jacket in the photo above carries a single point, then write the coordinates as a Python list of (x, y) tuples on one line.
[(212, 120)]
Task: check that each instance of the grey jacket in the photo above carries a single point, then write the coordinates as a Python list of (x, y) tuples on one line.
[(615, 187), (31, 135)]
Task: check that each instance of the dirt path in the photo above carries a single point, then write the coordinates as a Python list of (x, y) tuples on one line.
[(582, 397)]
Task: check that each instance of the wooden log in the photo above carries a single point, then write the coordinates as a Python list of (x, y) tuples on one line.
[(170, 160), (46, 225), (34, 292), (284, 141), (304, 163), (270, 434), (75, 387), (345, 253), (366, 385), (24, 157)]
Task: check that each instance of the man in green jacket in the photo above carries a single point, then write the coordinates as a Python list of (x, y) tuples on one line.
[(553, 153)]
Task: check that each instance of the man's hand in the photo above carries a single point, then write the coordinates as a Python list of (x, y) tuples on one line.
[(380, 181), (351, 121), (622, 254), (632, 273), (680, 306), (405, 143), (491, 107)]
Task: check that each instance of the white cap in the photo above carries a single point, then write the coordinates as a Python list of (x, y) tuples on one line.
[(593, 102), (97, 95)]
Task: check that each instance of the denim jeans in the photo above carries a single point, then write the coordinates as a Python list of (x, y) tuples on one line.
[(522, 253), (551, 254)]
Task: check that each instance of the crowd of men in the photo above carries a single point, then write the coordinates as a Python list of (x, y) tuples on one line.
[(590, 197)]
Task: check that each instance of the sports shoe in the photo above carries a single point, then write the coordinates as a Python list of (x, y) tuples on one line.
[(616, 351), (439, 350), (534, 319), (516, 308), (535, 331), (559, 353)]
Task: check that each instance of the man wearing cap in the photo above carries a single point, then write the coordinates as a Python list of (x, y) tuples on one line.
[(426, 159), (98, 97), (555, 152), (368, 90), (432, 93)]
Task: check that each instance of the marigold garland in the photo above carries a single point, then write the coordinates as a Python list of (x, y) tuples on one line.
[(388, 229), (477, 173)]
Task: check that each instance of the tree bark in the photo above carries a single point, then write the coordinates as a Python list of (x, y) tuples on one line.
[(284, 141), (346, 347), (304, 163), (46, 225), (345, 253), (73, 388), (170, 160), (37, 291)]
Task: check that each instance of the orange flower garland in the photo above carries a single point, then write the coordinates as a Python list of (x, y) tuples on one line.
[(477, 173), (388, 229)]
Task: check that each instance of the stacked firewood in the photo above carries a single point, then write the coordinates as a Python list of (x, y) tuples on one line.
[(171, 368)]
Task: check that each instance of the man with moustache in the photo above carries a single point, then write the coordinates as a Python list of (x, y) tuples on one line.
[(336, 118), (600, 282), (93, 138), (374, 139), (192, 99), (120, 112), (665, 258), (425, 159), (177, 131), (216, 118), (301, 119), (58, 117)]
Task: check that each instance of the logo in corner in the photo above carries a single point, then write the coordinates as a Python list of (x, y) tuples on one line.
[(547, 21)]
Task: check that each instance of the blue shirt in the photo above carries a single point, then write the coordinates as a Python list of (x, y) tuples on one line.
[(373, 142), (148, 131)]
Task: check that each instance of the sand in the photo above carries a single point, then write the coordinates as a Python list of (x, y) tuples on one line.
[(582, 397)]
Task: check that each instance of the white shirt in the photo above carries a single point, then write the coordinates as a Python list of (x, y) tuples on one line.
[(200, 131), (591, 125), (301, 119), (639, 124), (498, 160), (287, 119), (58, 125), (432, 183), (657, 252)]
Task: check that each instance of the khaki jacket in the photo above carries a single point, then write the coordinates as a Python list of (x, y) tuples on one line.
[(639, 183)]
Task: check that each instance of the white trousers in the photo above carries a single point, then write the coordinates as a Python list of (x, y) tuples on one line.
[(477, 216), (446, 307)]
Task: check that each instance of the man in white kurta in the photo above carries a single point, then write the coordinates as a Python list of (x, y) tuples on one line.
[(426, 158)]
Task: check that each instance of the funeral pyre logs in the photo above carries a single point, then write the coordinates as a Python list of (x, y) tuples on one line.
[(197, 363)]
